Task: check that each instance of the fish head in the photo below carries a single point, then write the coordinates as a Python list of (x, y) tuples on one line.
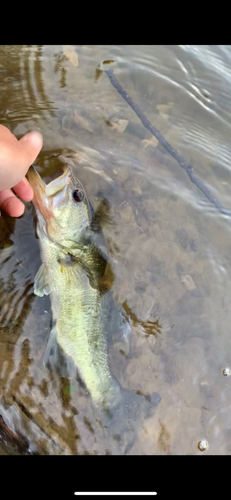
[(62, 206)]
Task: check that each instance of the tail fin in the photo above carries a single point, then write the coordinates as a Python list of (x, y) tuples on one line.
[(124, 421)]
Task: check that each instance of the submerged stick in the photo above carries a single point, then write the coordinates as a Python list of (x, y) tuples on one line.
[(172, 151)]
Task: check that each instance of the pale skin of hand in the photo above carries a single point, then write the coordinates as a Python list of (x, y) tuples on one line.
[(16, 156)]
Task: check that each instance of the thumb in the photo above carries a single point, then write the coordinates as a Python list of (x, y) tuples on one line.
[(31, 144)]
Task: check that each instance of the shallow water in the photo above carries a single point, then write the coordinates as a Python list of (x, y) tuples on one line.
[(170, 248)]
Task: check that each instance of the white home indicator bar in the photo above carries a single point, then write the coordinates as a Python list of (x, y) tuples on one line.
[(115, 493)]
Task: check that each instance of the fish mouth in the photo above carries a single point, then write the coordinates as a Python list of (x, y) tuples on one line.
[(55, 193), (47, 196), (53, 187)]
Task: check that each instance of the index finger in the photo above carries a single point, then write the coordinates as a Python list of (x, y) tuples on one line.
[(24, 190)]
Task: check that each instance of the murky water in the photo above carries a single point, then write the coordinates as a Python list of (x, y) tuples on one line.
[(170, 248)]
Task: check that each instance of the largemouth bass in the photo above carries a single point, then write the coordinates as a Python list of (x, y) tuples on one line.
[(75, 272)]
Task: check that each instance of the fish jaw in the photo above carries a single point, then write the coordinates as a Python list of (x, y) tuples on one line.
[(48, 196), (40, 201), (43, 193)]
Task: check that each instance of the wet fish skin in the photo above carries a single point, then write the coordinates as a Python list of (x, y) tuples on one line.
[(72, 273), (77, 275)]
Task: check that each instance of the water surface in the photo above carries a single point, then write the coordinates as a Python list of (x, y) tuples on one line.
[(170, 248)]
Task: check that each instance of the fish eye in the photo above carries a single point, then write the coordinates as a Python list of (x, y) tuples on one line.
[(78, 195)]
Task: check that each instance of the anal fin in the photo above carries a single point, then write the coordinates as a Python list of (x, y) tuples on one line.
[(52, 347), (41, 286)]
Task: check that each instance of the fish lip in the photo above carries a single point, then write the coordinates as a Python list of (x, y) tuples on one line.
[(60, 182), (56, 185), (35, 180), (40, 199), (44, 193)]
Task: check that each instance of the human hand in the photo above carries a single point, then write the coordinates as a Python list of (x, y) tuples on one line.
[(16, 156)]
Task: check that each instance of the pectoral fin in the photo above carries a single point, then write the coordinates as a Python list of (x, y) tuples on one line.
[(41, 286)]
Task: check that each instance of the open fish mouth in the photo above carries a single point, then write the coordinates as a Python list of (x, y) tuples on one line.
[(54, 186), (48, 196), (55, 194)]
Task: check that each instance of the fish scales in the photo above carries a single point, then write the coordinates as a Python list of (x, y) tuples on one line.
[(76, 274), (80, 322)]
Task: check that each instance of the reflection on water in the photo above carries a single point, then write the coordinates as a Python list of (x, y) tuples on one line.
[(59, 67), (170, 248), (23, 95), (150, 327)]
